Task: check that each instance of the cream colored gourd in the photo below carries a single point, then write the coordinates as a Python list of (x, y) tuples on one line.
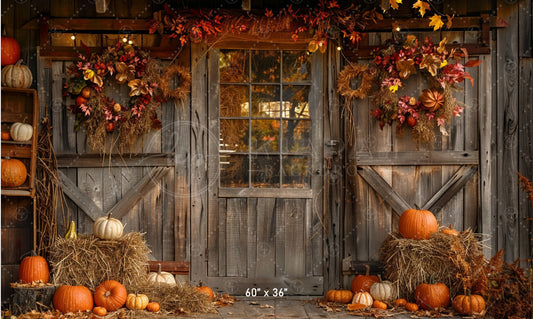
[(137, 301), (383, 291), (161, 277), (21, 132), (363, 298), (16, 76), (108, 228)]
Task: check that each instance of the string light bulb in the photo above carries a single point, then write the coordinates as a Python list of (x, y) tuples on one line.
[(397, 29), (73, 37), (124, 39), (339, 48), (130, 42)]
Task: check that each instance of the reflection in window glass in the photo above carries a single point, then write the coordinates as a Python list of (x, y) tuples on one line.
[(233, 65), (234, 101), (265, 66), (297, 136), (265, 171), (296, 101), (233, 135), (265, 101), (296, 66), (234, 170), (265, 136), (296, 171)]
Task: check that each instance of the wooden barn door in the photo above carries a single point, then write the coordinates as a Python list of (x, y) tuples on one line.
[(262, 233)]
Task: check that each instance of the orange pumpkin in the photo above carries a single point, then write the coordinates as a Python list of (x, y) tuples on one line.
[(6, 136), (206, 291), (110, 294), (411, 306), (13, 172), (450, 231), (73, 299), (364, 282), (432, 296), (10, 51), (417, 224), (100, 311), (400, 302), (153, 307), (341, 296), (33, 268), (378, 304), (469, 304)]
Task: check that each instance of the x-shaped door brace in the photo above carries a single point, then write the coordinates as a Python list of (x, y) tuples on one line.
[(124, 205), (434, 204)]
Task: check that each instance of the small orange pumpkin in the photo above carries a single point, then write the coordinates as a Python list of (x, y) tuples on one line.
[(206, 291), (378, 304), (110, 294), (341, 296), (469, 304), (33, 268), (364, 282), (153, 307), (14, 172), (411, 306), (450, 231), (432, 296), (417, 224), (6, 136), (400, 302), (100, 311), (73, 299)]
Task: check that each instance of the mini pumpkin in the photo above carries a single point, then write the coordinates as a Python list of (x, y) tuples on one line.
[(417, 224), (411, 306), (137, 301), (363, 298), (206, 290), (432, 296), (469, 304), (153, 307), (21, 132), (384, 291), (378, 304), (73, 299), (108, 228), (364, 282), (161, 277), (100, 311), (14, 172), (110, 294), (33, 268), (16, 76), (400, 302), (341, 296), (450, 231), (6, 136), (10, 51)]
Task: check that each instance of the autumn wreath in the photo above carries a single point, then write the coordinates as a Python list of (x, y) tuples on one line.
[(118, 65), (393, 65)]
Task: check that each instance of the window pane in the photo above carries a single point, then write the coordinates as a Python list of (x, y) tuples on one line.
[(233, 65), (265, 66), (234, 135), (265, 171), (296, 66), (296, 171), (234, 101), (265, 101), (297, 136), (234, 170), (265, 135), (296, 101)]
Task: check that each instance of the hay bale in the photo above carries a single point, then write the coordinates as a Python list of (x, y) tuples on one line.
[(442, 258), (87, 261)]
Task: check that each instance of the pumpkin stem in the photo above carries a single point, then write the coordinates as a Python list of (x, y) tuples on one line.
[(200, 284), (109, 216), (367, 270), (416, 206), (159, 269)]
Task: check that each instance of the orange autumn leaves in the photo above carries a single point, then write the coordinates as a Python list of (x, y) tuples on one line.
[(435, 21)]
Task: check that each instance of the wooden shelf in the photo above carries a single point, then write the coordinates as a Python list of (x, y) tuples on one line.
[(16, 192)]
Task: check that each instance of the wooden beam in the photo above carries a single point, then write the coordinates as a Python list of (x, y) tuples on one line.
[(389, 195), (418, 158), (78, 197), (265, 192), (173, 267), (115, 160), (448, 190), (144, 186)]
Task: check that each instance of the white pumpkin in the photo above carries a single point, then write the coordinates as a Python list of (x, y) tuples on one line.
[(16, 76), (21, 132), (383, 291), (363, 298), (108, 228), (161, 277)]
